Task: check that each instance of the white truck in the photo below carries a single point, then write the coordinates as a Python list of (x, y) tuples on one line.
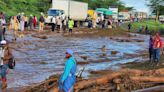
[(161, 18), (68, 8)]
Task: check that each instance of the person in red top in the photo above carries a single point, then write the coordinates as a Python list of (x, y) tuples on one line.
[(34, 21), (157, 45)]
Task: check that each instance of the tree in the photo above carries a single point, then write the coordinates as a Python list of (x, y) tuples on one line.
[(93, 4), (156, 6)]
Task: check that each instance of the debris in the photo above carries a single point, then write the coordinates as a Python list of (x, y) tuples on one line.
[(40, 36)]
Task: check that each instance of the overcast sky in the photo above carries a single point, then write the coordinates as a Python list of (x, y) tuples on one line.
[(139, 5)]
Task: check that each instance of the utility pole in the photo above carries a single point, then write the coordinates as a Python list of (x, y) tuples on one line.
[(69, 2)]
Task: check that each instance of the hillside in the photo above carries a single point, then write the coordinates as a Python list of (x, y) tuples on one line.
[(13, 7)]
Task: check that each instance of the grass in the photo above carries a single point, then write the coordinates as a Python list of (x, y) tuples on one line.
[(152, 25)]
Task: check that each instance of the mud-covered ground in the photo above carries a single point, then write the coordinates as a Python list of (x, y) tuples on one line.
[(39, 55)]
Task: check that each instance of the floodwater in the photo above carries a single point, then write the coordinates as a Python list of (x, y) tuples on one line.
[(37, 58)]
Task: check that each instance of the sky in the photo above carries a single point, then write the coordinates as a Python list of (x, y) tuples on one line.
[(139, 5)]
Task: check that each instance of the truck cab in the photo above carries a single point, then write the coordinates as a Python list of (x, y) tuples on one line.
[(53, 12), (161, 18)]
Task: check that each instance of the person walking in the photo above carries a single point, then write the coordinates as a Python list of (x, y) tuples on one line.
[(1, 33), (59, 24), (26, 23), (3, 23), (146, 29), (68, 78), (14, 26), (129, 27), (53, 20), (151, 49), (70, 25), (64, 25), (157, 45), (1, 15), (41, 22), (34, 21), (30, 22), (6, 54), (90, 24), (19, 19), (22, 24)]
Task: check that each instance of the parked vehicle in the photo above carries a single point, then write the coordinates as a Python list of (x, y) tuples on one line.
[(67, 8), (161, 18)]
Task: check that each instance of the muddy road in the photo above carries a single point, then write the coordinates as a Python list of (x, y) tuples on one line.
[(38, 58)]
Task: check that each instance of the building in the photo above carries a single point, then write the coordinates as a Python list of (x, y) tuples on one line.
[(114, 9), (138, 14), (124, 15)]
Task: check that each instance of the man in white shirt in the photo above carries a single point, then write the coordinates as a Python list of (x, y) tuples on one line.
[(53, 20)]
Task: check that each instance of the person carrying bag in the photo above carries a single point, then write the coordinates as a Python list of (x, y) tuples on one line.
[(5, 56)]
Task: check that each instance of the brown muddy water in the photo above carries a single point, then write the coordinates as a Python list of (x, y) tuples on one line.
[(37, 58)]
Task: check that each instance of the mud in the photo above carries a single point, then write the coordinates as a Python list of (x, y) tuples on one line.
[(38, 58)]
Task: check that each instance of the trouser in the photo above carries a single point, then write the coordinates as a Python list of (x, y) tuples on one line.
[(53, 27), (34, 24), (146, 31), (3, 33), (3, 71), (64, 28), (129, 29), (156, 55), (31, 26), (70, 30), (41, 26), (1, 37), (58, 28), (150, 53)]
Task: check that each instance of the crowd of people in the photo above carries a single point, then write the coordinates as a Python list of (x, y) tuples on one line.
[(102, 23), (62, 23), (21, 23)]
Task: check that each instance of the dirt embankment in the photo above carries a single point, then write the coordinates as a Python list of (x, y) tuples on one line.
[(125, 80), (85, 32)]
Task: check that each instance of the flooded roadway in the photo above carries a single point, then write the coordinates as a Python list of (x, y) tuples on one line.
[(37, 58)]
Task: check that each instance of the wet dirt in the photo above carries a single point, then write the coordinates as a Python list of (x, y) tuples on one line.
[(39, 58)]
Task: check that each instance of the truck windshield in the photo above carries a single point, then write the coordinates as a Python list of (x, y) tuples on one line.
[(54, 12)]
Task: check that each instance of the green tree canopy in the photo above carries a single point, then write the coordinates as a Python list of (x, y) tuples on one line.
[(157, 7), (93, 4)]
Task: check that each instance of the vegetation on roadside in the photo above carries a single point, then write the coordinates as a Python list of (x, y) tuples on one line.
[(152, 26), (93, 4), (13, 7), (157, 7)]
